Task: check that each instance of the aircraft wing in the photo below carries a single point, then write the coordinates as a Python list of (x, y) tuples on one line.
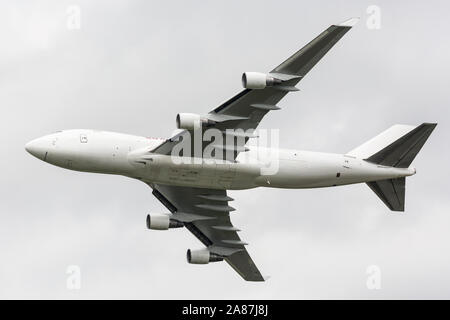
[(246, 109), (206, 214)]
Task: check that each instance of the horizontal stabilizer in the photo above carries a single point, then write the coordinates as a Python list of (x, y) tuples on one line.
[(391, 192)]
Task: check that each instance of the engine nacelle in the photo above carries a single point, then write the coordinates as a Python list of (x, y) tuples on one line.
[(202, 256), (258, 80), (158, 221), (191, 121)]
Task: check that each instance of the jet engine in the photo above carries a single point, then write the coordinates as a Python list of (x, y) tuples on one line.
[(158, 221), (191, 121), (257, 80), (202, 256)]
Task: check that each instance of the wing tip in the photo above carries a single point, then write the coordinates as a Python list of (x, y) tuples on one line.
[(349, 23)]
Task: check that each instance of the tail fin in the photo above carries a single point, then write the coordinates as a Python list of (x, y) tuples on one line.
[(402, 152), (395, 147)]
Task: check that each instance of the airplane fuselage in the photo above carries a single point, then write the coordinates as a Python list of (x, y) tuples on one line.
[(128, 155)]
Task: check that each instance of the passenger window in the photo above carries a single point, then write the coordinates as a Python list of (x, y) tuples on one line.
[(83, 138)]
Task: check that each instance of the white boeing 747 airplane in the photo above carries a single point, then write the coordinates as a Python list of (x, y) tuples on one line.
[(191, 178)]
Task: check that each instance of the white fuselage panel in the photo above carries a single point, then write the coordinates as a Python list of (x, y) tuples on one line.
[(128, 155)]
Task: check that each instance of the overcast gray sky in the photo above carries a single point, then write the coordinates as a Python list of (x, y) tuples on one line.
[(133, 65)]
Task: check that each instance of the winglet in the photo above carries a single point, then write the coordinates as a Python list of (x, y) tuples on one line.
[(349, 23)]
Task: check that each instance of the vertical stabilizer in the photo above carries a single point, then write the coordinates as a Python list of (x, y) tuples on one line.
[(402, 152)]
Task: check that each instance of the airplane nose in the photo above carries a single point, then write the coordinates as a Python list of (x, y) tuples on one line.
[(38, 148)]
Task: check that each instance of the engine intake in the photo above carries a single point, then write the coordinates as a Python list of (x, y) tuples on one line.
[(162, 222), (258, 80), (191, 121), (202, 256)]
